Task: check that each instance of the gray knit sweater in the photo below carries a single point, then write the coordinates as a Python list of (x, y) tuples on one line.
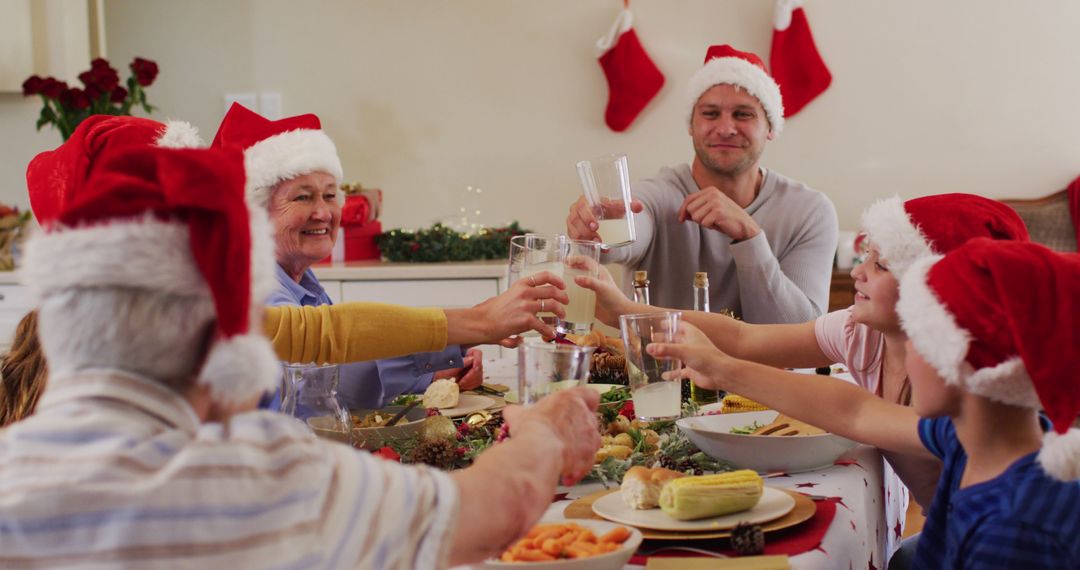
[(780, 276)]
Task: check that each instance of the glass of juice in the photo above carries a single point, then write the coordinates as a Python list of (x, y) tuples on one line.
[(606, 183), (544, 368), (654, 397), (542, 252), (581, 258)]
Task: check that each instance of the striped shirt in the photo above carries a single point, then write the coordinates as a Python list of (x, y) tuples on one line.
[(1021, 519), (116, 470)]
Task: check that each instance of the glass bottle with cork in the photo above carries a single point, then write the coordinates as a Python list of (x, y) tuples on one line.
[(700, 395), (641, 287)]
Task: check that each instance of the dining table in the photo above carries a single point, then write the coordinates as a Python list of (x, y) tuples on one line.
[(857, 520)]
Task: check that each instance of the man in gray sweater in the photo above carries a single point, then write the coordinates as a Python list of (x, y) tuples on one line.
[(767, 241)]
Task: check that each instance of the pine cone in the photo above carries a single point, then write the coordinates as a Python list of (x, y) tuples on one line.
[(668, 463), (438, 453), (748, 539)]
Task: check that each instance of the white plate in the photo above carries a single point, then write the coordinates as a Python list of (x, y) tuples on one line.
[(467, 404), (774, 504)]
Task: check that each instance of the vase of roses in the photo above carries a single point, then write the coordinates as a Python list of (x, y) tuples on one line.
[(64, 107)]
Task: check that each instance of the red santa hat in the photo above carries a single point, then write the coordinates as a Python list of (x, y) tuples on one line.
[(275, 151), (999, 319), (727, 65), (173, 221), (54, 177), (906, 231)]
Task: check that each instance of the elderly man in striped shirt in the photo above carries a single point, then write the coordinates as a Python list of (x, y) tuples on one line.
[(146, 450)]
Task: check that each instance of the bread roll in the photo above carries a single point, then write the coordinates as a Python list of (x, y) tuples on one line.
[(442, 394), (641, 486)]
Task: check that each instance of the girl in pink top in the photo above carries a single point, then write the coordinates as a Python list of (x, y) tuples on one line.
[(865, 337)]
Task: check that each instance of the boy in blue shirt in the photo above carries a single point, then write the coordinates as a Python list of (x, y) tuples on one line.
[(992, 340)]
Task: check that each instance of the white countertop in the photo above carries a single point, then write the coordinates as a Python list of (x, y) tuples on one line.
[(380, 271), (386, 270)]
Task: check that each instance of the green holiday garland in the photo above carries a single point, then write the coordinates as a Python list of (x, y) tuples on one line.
[(441, 243)]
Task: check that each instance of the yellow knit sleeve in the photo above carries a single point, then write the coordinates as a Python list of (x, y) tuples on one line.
[(353, 331)]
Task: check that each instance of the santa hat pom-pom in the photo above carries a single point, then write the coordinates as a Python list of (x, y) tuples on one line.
[(180, 134), (1060, 455), (239, 368)]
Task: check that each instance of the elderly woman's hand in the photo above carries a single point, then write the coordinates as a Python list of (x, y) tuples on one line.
[(468, 377)]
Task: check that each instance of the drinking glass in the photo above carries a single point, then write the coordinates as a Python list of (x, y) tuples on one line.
[(544, 368), (606, 183), (581, 258), (654, 397), (517, 259), (309, 392), (543, 252)]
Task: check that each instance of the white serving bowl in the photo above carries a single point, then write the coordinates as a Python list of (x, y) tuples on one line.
[(611, 561), (762, 453)]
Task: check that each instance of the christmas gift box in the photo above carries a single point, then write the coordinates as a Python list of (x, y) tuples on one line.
[(360, 222)]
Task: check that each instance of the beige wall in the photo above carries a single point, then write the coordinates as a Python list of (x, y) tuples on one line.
[(425, 98)]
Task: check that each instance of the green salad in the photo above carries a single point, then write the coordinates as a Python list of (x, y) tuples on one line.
[(746, 430)]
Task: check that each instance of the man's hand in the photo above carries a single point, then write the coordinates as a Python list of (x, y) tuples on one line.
[(713, 209), (702, 362), (582, 224), (570, 417)]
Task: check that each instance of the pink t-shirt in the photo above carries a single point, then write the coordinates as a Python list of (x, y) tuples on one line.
[(862, 350)]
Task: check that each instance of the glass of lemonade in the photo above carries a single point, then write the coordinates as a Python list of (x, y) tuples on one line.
[(654, 398), (606, 183), (542, 252), (544, 368), (581, 258)]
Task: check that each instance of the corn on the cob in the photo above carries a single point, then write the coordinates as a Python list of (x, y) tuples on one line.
[(690, 498), (732, 404)]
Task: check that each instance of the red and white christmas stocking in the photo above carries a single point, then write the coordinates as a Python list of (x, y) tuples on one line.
[(795, 62), (633, 79)]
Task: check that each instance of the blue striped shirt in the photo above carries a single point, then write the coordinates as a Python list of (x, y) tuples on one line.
[(117, 471), (1023, 518)]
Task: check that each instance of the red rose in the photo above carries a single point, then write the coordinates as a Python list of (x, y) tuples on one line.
[(74, 98), (52, 88), (119, 94), (33, 85), (99, 62), (387, 452), (101, 79), (145, 71)]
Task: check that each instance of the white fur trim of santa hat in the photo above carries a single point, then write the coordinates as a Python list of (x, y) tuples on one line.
[(889, 228), (146, 252), (937, 337), (288, 155), (741, 73), (140, 252), (1060, 454), (240, 367), (180, 134)]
